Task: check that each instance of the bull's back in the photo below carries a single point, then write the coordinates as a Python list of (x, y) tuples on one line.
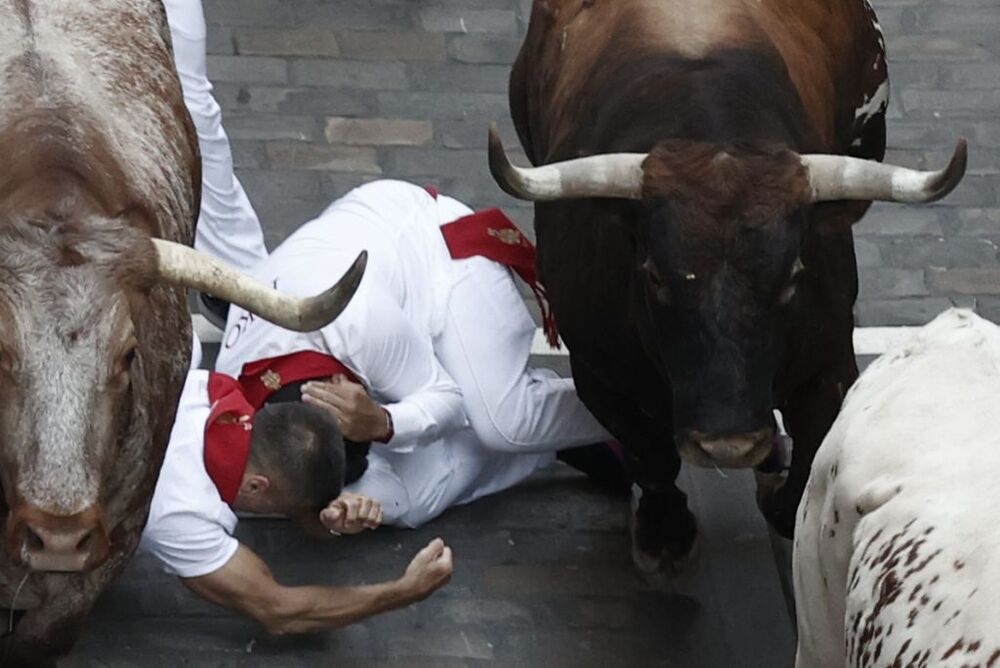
[(895, 554), (571, 44), (98, 77)]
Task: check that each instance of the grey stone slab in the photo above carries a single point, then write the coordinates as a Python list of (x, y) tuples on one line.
[(906, 311), (891, 282), (248, 69), (349, 74)]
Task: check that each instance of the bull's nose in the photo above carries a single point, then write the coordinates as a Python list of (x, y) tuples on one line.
[(734, 451), (58, 542)]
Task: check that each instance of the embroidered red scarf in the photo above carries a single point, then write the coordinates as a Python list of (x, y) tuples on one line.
[(227, 435), (491, 234)]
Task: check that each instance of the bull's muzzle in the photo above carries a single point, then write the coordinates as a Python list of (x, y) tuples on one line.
[(46, 542), (730, 451)]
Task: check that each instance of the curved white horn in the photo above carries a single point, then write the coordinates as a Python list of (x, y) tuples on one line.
[(837, 177), (182, 265), (607, 175)]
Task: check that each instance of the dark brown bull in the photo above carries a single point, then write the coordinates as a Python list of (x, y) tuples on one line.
[(696, 250), (98, 193)]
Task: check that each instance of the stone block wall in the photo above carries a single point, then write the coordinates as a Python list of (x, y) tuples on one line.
[(322, 95)]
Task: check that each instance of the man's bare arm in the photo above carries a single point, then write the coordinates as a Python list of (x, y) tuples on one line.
[(245, 584)]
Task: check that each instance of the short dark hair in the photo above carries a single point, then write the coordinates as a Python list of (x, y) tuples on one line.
[(355, 452), (300, 448)]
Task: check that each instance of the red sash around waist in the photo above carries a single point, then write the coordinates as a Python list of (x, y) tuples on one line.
[(491, 234)]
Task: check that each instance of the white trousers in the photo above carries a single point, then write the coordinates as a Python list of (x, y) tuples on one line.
[(415, 487), (228, 227), (484, 346)]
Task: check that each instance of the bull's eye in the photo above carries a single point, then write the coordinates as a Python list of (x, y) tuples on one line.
[(125, 365)]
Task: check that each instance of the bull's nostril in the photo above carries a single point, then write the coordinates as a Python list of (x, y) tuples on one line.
[(33, 541), (87, 541)]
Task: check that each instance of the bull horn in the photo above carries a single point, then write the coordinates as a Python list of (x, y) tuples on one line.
[(837, 177), (183, 265), (606, 175)]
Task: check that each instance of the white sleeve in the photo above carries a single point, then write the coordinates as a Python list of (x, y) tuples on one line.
[(379, 482), (189, 545), (399, 365)]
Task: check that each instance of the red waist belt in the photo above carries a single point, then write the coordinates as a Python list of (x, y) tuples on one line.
[(491, 234)]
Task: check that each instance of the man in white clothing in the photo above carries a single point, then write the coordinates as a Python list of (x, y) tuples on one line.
[(224, 456), (430, 359)]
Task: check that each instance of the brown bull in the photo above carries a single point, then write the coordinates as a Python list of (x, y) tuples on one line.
[(694, 239), (98, 193)]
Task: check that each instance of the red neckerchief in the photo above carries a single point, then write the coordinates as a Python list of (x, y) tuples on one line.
[(227, 435), (263, 378), (491, 234)]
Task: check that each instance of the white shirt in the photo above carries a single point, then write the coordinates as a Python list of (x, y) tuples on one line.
[(189, 527), (385, 335)]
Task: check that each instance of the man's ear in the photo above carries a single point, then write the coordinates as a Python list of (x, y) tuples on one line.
[(255, 484)]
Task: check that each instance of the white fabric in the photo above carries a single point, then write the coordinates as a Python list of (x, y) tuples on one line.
[(419, 322), (189, 527), (196, 354), (415, 487), (228, 227), (385, 334)]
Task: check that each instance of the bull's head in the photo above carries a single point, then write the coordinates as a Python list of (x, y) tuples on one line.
[(718, 259), (91, 347)]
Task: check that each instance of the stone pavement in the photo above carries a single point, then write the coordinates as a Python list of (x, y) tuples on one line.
[(321, 95), (542, 578)]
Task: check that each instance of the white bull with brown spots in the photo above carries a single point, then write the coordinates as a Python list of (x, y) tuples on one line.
[(897, 549), (98, 193)]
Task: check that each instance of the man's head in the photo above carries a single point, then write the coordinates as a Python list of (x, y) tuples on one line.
[(296, 463)]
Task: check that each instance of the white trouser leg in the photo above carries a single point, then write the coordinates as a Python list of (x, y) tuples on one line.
[(485, 346), (415, 487), (228, 227)]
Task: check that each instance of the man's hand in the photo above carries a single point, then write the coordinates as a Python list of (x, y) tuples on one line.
[(360, 418), (430, 570), (351, 513)]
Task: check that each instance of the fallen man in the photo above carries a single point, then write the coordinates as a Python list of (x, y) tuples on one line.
[(429, 362), (291, 463), (419, 320)]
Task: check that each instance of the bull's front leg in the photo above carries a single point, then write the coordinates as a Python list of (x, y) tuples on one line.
[(808, 414), (662, 528)]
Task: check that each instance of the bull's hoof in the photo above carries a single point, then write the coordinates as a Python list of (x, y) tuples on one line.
[(660, 546)]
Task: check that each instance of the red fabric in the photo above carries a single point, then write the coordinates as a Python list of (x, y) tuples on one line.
[(227, 435), (263, 378), (491, 234)]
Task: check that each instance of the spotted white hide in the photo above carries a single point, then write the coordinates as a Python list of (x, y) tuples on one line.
[(897, 548)]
